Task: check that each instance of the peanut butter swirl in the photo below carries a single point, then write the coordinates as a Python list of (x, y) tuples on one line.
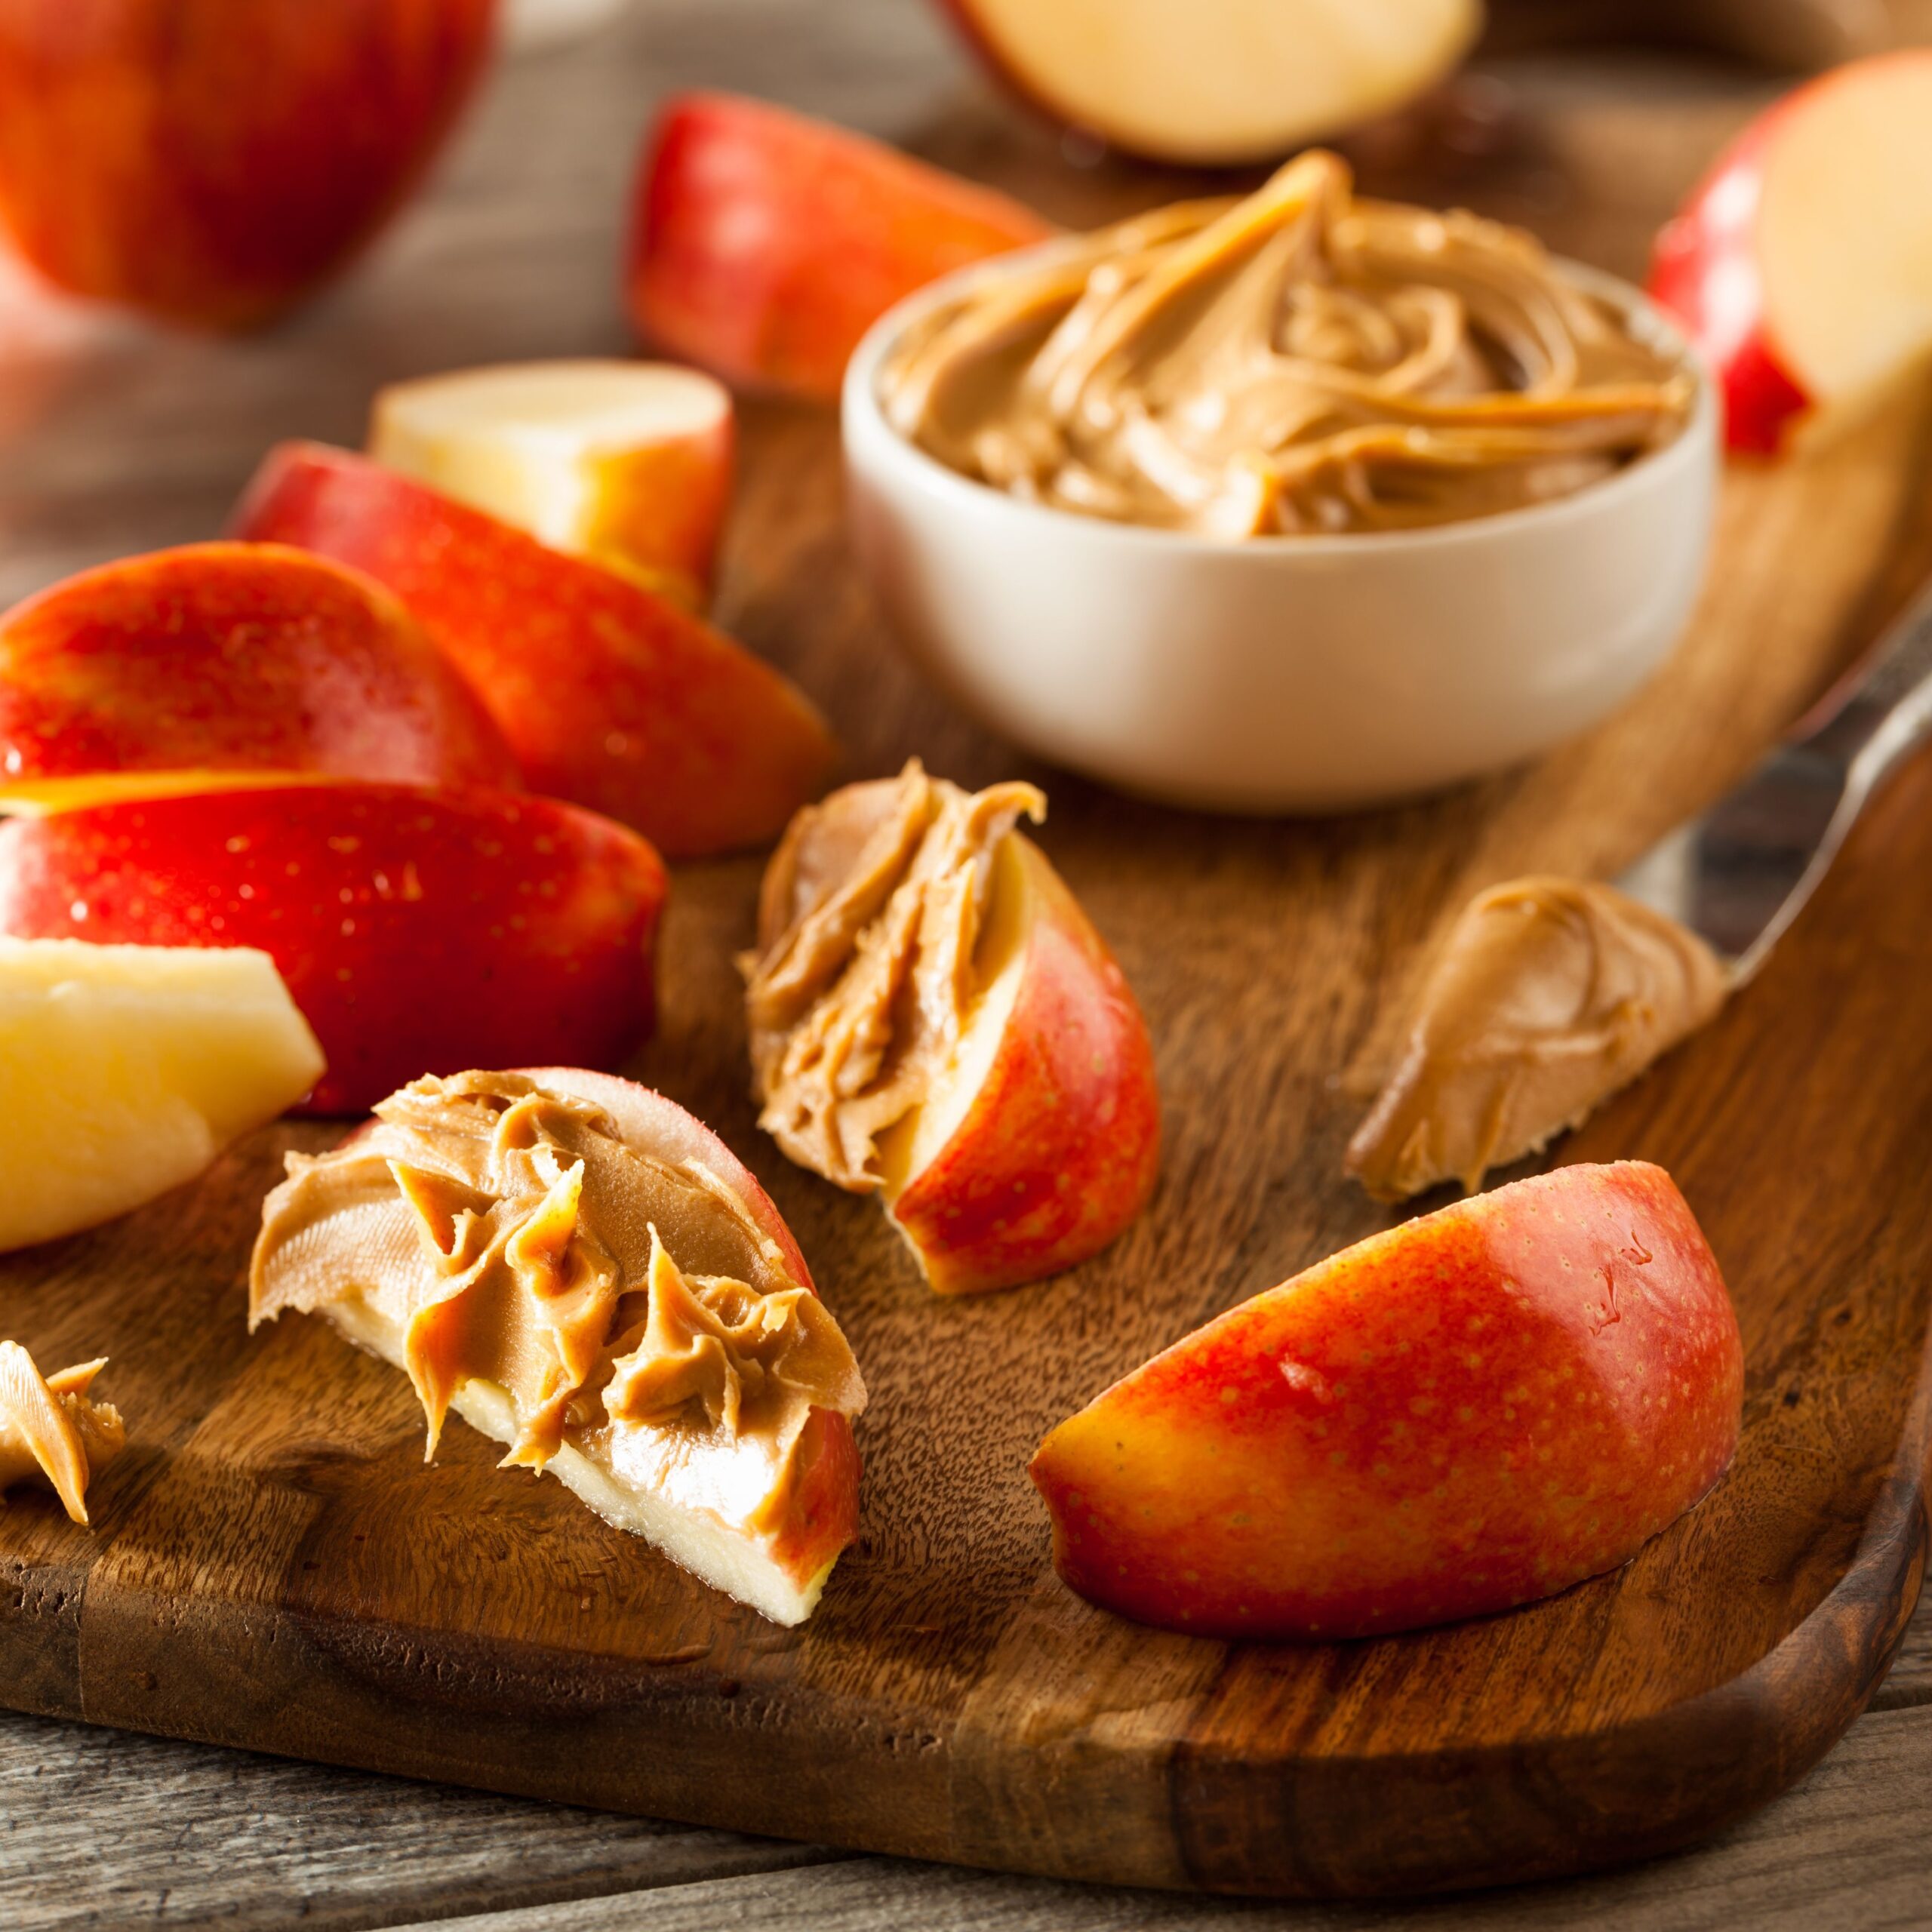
[(1550, 995), (1297, 361), (859, 990), (514, 1238), (52, 1430)]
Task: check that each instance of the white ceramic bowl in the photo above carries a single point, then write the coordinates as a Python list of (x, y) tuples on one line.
[(1284, 674)]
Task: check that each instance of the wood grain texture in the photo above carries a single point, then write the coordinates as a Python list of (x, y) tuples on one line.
[(274, 1567)]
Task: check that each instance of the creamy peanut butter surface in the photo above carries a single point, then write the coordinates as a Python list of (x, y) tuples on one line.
[(1298, 361), (52, 1430), (863, 978), (1551, 994), (487, 1232)]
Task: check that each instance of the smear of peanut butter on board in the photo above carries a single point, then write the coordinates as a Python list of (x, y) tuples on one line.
[(1550, 995), (1300, 361), (52, 1430)]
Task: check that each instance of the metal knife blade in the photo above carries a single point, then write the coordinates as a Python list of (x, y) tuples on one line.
[(1741, 871)]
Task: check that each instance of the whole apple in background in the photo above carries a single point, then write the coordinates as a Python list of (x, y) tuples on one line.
[(1218, 82), (1473, 1409), (227, 656), (1802, 264), (210, 161), (609, 695), (419, 931), (764, 243)]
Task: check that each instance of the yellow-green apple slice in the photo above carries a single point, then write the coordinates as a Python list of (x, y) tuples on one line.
[(125, 1070), (1218, 82), (1802, 264), (627, 463), (585, 1273), (1475, 1409)]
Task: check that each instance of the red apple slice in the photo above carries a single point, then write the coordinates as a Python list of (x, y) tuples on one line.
[(763, 244), (1218, 82), (1473, 1409), (416, 930), (627, 463), (1802, 265), (233, 656), (211, 162), (610, 696), (756, 1491)]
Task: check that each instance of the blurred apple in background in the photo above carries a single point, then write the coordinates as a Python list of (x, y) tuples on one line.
[(210, 161)]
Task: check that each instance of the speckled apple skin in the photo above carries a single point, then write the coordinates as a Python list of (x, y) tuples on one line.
[(1480, 1408), (1058, 1153)]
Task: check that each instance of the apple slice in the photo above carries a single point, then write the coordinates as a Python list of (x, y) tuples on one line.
[(1802, 264), (1471, 1411), (416, 929), (610, 696), (233, 656), (764, 244), (1218, 82), (125, 1070), (583, 1271), (627, 463), (934, 1019)]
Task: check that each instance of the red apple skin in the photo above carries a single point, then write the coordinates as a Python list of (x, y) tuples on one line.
[(764, 244), (419, 931), (1058, 1153), (610, 696), (1475, 1409), (210, 161), (234, 656)]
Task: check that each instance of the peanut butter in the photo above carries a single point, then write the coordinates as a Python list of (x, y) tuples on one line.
[(861, 986), (52, 1430), (1550, 996), (490, 1232), (1297, 361)]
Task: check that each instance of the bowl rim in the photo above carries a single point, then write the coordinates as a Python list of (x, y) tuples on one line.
[(862, 416)]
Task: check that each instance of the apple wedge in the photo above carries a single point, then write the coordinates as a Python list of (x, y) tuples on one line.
[(1218, 82), (764, 243), (233, 656), (416, 929), (210, 161), (610, 696), (125, 1070), (1802, 264), (1473, 1409), (585, 1273), (627, 463), (933, 1019)]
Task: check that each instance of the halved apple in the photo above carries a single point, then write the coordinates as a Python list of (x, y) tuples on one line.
[(1218, 82), (764, 243), (584, 1273), (1475, 1409), (933, 1018), (125, 1070), (627, 463), (1802, 264), (610, 696)]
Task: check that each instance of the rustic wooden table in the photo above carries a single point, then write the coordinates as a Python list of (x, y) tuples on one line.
[(114, 439)]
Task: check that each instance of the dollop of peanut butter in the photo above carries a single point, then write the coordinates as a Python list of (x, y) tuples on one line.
[(1550, 995), (860, 987), (52, 1430), (1297, 361), (514, 1237)]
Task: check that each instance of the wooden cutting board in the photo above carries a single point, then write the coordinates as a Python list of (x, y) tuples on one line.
[(273, 1566)]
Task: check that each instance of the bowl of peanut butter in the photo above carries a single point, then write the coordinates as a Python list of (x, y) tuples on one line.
[(1296, 503)]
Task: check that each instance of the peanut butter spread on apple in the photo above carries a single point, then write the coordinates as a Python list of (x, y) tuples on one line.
[(52, 1430), (1551, 994), (514, 1239), (1298, 361), (863, 977)]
